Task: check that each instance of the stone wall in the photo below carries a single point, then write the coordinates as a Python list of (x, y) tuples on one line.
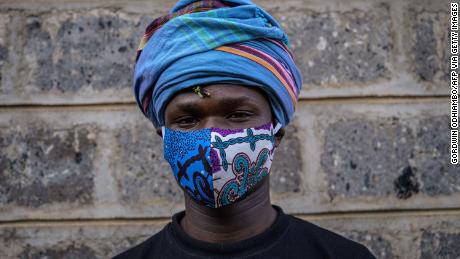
[(367, 154)]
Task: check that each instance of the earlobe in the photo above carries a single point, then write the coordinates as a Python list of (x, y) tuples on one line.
[(279, 136), (159, 132)]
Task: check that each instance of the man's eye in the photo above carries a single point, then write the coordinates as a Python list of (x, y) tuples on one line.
[(239, 115), (186, 121)]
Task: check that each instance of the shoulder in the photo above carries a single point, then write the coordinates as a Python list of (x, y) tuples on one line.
[(331, 245), (144, 249)]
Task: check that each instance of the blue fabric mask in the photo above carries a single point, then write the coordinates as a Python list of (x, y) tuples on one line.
[(216, 166)]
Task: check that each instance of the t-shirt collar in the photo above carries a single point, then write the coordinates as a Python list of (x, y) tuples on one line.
[(245, 247)]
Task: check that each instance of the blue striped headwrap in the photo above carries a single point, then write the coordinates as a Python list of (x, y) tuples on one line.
[(206, 42)]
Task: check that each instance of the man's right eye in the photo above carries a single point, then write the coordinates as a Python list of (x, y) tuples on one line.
[(186, 121)]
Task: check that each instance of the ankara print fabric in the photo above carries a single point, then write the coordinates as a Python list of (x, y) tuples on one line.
[(218, 167), (188, 155)]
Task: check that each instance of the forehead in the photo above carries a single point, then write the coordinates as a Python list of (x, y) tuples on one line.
[(221, 95)]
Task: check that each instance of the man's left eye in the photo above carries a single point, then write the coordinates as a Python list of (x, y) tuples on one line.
[(186, 121), (239, 115)]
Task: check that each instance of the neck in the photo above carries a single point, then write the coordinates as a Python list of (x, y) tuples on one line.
[(236, 222)]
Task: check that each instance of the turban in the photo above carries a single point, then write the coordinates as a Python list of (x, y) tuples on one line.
[(206, 42)]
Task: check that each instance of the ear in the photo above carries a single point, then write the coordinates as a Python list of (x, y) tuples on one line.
[(158, 130), (278, 136)]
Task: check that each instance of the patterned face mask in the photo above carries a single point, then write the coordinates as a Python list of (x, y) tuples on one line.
[(218, 167)]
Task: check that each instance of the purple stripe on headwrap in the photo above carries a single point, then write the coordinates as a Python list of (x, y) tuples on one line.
[(277, 65)]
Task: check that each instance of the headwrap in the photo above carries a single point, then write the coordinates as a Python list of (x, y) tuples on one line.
[(206, 42)]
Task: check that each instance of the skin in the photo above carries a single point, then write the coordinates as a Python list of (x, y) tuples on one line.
[(228, 106)]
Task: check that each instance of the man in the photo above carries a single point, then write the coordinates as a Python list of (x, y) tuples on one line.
[(217, 80)]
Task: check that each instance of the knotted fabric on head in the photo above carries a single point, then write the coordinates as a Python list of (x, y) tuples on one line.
[(209, 42)]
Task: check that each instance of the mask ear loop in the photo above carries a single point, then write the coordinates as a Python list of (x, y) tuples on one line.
[(163, 131), (277, 128)]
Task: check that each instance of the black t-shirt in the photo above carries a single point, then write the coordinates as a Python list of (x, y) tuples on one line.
[(288, 237)]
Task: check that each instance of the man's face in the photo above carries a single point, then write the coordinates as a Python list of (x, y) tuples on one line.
[(228, 106), (213, 158)]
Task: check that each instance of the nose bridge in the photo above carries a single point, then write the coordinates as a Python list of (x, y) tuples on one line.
[(210, 122)]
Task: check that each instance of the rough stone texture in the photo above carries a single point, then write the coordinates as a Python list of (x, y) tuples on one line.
[(359, 156), (62, 53), (430, 51), (41, 165), (71, 251), (82, 242), (375, 242), (336, 48), (440, 244), (287, 164), (3, 45), (3, 55), (91, 43), (142, 174), (86, 163), (385, 156), (432, 156)]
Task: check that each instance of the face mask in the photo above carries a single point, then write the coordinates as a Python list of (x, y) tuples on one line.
[(218, 167)]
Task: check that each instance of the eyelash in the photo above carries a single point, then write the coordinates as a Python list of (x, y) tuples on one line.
[(182, 120), (240, 114)]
